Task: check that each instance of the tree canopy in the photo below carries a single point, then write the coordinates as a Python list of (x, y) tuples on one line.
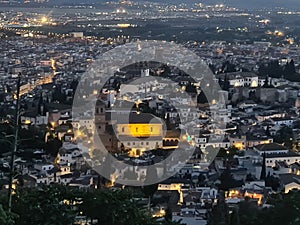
[(58, 204)]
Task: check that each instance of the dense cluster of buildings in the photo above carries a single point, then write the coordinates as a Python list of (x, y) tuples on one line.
[(249, 133)]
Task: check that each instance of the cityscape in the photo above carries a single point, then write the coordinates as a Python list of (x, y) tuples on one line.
[(149, 112)]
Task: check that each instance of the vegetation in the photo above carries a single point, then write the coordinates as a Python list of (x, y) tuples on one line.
[(230, 152), (284, 210), (57, 204), (274, 70), (227, 181), (284, 136)]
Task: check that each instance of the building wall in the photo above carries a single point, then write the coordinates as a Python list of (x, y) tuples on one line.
[(270, 162), (291, 186), (139, 130)]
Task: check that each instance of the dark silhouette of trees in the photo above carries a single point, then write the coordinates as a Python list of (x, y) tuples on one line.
[(227, 181), (228, 67), (263, 168), (220, 213), (284, 136), (52, 146), (43, 206), (151, 177), (201, 98), (272, 182), (273, 69), (5, 217), (58, 204)]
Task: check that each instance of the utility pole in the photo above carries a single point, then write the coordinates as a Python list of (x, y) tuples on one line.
[(15, 145)]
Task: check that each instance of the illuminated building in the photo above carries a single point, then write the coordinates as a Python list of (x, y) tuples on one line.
[(139, 132), (238, 141), (290, 182), (125, 130), (172, 187), (253, 190)]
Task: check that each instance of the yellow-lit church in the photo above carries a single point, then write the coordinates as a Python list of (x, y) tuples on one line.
[(139, 132)]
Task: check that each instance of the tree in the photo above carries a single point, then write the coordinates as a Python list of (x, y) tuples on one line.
[(52, 146), (114, 208), (168, 215), (227, 181), (201, 98), (228, 67), (272, 182), (168, 122), (220, 213), (58, 204), (248, 212), (263, 168), (250, 177), (284, 136), (201, 179), (151, 177), (44, 205), (6, 218), (226, 84), (266, 83), (285, 210), (289, 70), (230, 152)]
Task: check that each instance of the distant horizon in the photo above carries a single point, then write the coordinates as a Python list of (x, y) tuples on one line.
[(250, 4), (253, 4)]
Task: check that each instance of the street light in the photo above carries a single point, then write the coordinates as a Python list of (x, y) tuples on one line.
[(15, 145)]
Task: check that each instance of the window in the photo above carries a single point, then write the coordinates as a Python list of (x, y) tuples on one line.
[(128, 143), (136, 129), (147, 143), (123, 129), (101, 110), (133, 143), (151, 129), (142, 143)]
